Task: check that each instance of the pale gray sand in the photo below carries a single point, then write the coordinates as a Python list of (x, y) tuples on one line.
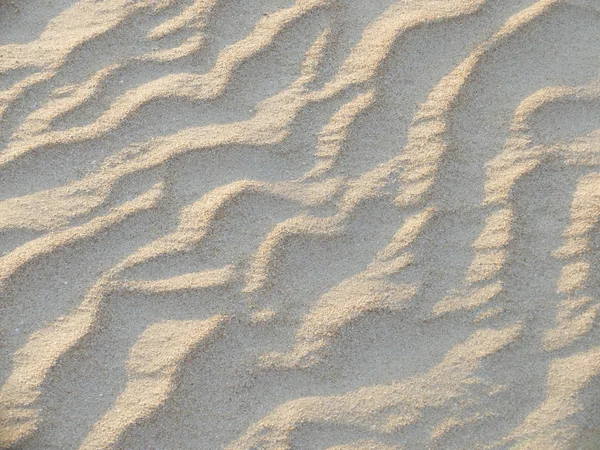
[(278, 225)]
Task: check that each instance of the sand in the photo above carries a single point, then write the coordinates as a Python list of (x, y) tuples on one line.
[(320, 224)]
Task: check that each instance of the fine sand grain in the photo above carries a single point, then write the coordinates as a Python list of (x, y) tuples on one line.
[(310, 224)]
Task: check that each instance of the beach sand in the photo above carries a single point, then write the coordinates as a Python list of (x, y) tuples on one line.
[(320, 224)]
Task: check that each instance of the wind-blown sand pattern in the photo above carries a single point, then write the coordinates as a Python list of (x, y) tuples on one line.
[(316, 224)]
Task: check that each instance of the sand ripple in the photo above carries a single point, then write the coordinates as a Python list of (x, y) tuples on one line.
[(310, 224)]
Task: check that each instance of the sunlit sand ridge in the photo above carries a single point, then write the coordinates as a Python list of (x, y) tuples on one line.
[(311, 224)]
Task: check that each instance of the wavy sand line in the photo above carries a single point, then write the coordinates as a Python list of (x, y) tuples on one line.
[(166, 148), (193, 16), (46, 244), (194, 86), (426, 144), (19, 393), (81, 23), (185, 85), (428, 128), (32, 362), (335, 133), (520, 156), (585, 214), (196, 280), (152, 366), (547, 425), (91, 191), (64, 100), (354, 297), (196, 220), (384, 408)]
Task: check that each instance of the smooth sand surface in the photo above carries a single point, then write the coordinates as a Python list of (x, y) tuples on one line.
[(320, 224)]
